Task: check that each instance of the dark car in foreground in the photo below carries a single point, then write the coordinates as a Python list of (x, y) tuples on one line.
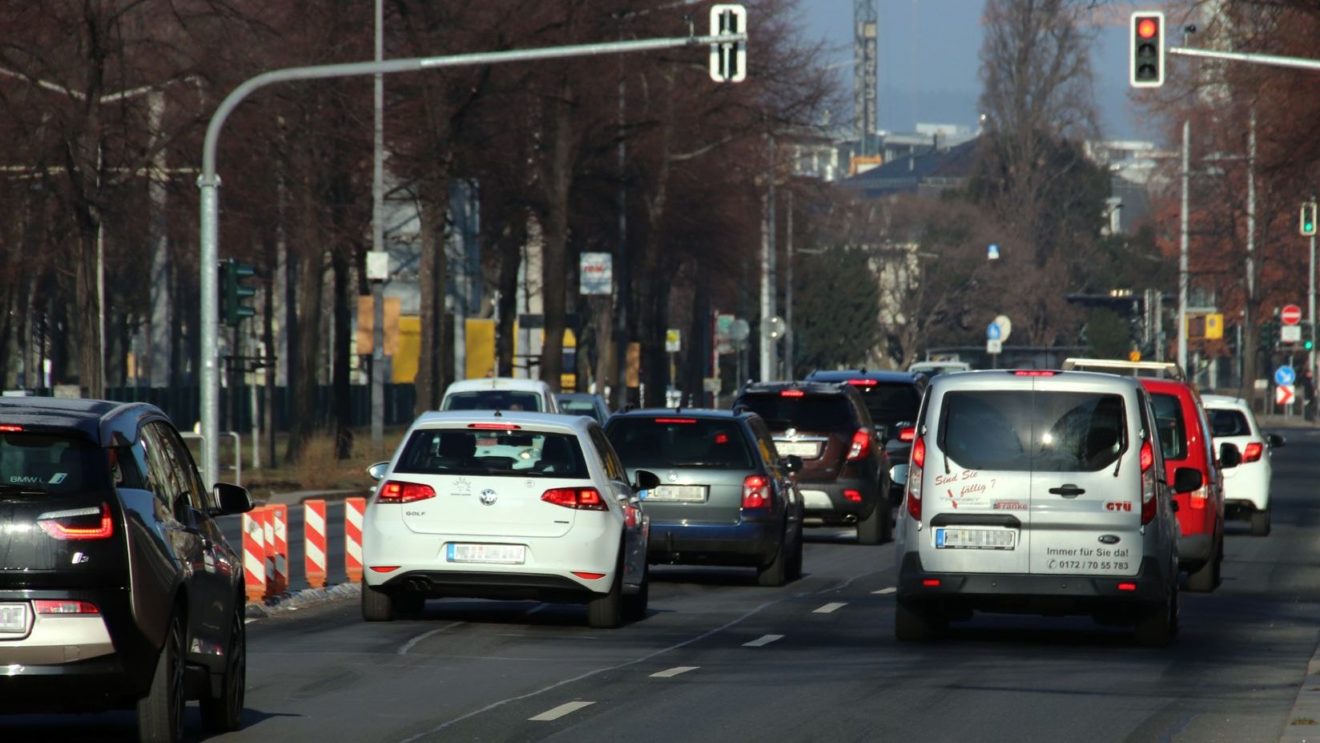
[(725, 497), (117, 588)]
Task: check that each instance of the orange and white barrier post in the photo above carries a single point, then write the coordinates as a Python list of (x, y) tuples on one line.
[(314, 542), (254, 556), (355, 510), (267, 516), (279, 578)]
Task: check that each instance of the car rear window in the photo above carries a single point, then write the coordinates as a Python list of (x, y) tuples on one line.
[(1169, 422), (50, 463), (492, 452), (1025, 430), (890, 403), (1228, 422), (493, 400), (680, 442), (813, 413), (578, 407)]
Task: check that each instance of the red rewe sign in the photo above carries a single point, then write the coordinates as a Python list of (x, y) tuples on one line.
[(1291, 314)]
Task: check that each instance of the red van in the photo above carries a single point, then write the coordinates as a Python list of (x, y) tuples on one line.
[(1185, 438)]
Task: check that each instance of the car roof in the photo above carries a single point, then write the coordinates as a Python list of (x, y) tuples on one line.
[(843, 375), (1223, 401), (705, 413), (988, 379), (815, 387), (1166, 386), (98, 420), (539, 421), (1157, 369), (498, 383)]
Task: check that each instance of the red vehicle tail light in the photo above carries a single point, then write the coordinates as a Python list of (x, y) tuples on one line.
[(584, 575), (676, 420), (861, 445), (907, 434), (1253, 451), (395, 491), (792, 393), (384, 568), (1032, 373), (756, 492), (582, 499), (930, 582), (914, 479), (1200, 497), (78, 523), (863, 382), (1147, 456), (10, 428), (495, 426), (1148, 502), (853, 496), (1126, 586), (64, 607)]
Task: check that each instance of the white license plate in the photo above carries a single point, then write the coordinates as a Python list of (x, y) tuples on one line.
[(805, 449), (13, 618), (816, 499), (493, 554), (975, 539), (678, 493)]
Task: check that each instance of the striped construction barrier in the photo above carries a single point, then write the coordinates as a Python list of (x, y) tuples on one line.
[(277, 581), (355, 510), (315, 546), (267, 517), (254, 556)]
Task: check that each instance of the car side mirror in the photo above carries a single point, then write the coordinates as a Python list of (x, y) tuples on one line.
[(646, 480), (232, 498), (1186, 479), (793, 463), (378, 470), (1229, 455), (898, 475), (1275, 440)]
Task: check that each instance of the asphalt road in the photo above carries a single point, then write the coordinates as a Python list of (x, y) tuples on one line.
[(722, 659)]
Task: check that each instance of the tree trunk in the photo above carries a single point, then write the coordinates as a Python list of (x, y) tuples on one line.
[(343, 300), (509, 243), (554, 261), (430, 384), (305, 350)]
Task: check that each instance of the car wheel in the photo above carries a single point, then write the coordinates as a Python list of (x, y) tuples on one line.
[(1158, 627), (1204, 579), (634, 605), (795, 569), (377, 604), (223, 713), (776, 573), (160, 712), (913, 624), (1260, 523), (872, 529), (606, 612)]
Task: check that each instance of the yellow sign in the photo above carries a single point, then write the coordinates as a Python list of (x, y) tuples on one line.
[(1214, 326), (1134, 355)]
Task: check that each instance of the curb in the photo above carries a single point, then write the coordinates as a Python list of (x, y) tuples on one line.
[(1303, 723), (290, 602)]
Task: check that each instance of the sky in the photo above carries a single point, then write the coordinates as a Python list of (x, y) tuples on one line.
[(928, 63)]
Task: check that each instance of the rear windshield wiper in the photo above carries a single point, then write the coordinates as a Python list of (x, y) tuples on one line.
[(21, 490)]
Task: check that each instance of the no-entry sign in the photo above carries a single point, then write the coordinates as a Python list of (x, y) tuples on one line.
[(1291, 314)]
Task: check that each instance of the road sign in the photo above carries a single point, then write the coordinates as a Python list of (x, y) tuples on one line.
[(1283, 394), (993, 332), (595, 274), (728, 62), (1290, 334), (1005, 327), (994, 346), (1291, 314), (1284, 376), (1134, 355), (673, 340)]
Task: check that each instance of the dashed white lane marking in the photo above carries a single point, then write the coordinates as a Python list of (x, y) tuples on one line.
[(762, 641), (669, 673), (883, 591), (557, 712), (411, 643), (830, 608)]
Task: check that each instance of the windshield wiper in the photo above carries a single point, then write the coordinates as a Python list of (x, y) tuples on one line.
[(21, 490)]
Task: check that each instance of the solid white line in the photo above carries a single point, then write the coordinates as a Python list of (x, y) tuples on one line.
[(830, 608), (884, 591), (669, 673), (409, 644), (762, 641), (558, 712)]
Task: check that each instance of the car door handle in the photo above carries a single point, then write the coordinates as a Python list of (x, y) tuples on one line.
[(1067, 491)]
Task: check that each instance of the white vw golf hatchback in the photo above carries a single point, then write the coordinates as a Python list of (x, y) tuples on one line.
[(1246, 486), (507, 505)]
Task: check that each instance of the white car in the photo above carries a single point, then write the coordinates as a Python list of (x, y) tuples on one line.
[(512, 505), (499, 393), (1246, 486)]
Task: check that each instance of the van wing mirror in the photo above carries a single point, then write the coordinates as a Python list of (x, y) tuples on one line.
[(1186, 479), (1229, 455)]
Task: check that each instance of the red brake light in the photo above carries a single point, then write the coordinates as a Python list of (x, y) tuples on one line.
[(852, 496), (1148, 500), (64, 607), (676, 420), (721, 438), (582, 499), (1147, 456), (930, 582), (1126, 586), (919, 453), (10, 428), (384, 568), (1147, 28), (913, 497), (1032, 373), (863, 382), (756, 492), (1253, 452), (861, 445), (55, 523), (792, 393), (404, 492), (907, 434), (584, 575), (495, 426)]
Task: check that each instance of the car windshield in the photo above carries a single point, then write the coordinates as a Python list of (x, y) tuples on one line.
[(815, 413), (493, 400), (668, 443), (492, 452), (1228, 422), (1172, 428), (49, 463), (1025, 430)]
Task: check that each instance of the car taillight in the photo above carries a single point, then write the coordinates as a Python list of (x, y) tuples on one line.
[(1200, 497), (792, 393), (756, 492), (1148, 500), (1032, 373), (683, 421), (64, 607), (78, 523), (907, 434), (395, 491), (495, 426), (863, 382), (852, 496), (582, 499), (914, 479), (10, 428), (1253, 451), (861, 445)]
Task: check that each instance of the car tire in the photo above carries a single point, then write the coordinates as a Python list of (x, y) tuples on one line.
[(634, 605), (223, 713), (160, 712), (606, 612), (1260, 523), (1159, 626), (1206, 578), (875, 529), (912, 624), (795, 566), (776, 573), (377, 604)]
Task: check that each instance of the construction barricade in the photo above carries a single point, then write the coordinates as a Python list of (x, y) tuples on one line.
[(254, 556), (315, 547), (355, 510)]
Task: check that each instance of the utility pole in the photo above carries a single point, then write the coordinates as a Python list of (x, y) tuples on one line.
[(1182, 251), (768, 355), (378, 245), (1248, 316)]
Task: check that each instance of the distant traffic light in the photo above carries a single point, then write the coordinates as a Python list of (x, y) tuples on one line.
[(1147, 52), (1308, 219), (728, 62), (234, 293)]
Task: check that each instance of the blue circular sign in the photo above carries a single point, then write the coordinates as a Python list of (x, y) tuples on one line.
[(993, 332), (1284, 375)]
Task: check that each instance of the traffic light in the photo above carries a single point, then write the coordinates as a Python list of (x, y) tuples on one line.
[(234, 293), (728, 62), (1308, 219), (1308, 341), (1147, 52)]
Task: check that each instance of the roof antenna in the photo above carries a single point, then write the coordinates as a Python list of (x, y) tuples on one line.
[(498, 414)]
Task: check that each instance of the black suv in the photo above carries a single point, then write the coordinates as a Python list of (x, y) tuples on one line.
[(725, 498), (117, 588), (845, 474), (893, 399)]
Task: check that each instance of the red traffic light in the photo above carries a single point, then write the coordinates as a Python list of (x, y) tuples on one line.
[(1147, 28)]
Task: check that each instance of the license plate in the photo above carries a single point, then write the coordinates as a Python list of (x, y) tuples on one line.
[(491, 554), (816, 499), (678, 493), (975, 539), (805, 449), (13, 618)]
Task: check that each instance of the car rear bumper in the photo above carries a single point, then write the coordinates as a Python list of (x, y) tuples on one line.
[(824, 503), (748, 543), (479, 584), (1240, 509), (1019, 593)]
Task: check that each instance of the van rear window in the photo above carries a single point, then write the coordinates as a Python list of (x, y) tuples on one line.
[(1025, 430), (1169, 422), (50, 463)]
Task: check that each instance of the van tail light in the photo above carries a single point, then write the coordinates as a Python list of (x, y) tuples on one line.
[(861, 445), (1148, 500), (756, 492), (582, 499), (78, 524), (395, 491), (1200, 497), (1253, 451), (64, 607), (914, 479)]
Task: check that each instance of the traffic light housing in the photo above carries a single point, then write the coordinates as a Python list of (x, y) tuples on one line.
[(1307, 223), (1147, 50), (728, 62), (234, 293), (1308, 341)]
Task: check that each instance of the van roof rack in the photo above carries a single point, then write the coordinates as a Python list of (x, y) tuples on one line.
[(1157, 369)]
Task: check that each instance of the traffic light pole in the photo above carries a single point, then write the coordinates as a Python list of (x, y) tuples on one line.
[(1310, 316), (1265, 59)]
